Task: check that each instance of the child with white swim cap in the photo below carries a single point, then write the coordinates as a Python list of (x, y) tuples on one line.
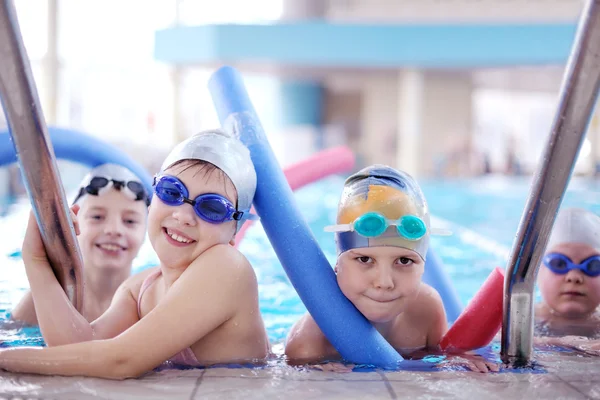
[(569, 276), (382, 236), (198, 307), (112, 206)]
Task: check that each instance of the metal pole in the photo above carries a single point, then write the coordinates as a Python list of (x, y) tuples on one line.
[(577, 100), (36, 156)]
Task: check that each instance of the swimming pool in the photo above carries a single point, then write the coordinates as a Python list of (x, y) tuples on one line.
[(482, 213)]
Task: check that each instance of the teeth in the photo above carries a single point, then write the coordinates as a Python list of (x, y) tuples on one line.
[(110, 247), (178, 238)]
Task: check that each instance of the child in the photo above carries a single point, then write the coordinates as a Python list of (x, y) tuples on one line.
[(569, 277), (113, 206), (198, 307), (382, 239)]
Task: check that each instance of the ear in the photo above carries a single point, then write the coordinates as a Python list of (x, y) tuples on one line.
[(232, 242), (335, 269)]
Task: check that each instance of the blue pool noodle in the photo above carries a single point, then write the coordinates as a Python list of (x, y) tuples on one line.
[(303, 260), (81, 148), (436, 276)]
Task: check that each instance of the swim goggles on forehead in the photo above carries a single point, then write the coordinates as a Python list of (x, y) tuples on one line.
[(100, 184), (373, 224), (210, 207), (561, 264)]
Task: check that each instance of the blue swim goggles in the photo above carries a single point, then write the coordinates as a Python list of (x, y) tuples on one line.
[(373, 224), (210, 207), (561, 264)]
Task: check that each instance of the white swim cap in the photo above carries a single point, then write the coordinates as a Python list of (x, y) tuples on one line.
[(576, 225)]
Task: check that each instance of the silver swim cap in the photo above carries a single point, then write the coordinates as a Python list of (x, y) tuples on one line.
[(106, 176), (576, 225), (226, 153)]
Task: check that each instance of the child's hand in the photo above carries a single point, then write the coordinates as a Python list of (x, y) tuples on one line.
[(473, 362), (334, 367), (74, 211), (33, 246)]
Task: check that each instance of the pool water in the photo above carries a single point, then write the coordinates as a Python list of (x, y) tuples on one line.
[(483, 214)]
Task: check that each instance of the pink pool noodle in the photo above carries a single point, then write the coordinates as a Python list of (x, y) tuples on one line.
[(482, 318), (318, 166)]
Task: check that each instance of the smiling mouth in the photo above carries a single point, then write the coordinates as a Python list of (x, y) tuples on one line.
[(110, 247), (177, 237), (576, 294), (383, 300)]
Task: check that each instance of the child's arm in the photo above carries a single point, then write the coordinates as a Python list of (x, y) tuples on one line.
[(25, 310), (580, 344), (59, 321), (206, 295), (306, 343), (438, 321)]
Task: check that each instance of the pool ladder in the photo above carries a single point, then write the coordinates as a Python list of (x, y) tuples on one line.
[(577, 99)]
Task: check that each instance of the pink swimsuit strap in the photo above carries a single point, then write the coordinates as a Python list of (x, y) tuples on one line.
[(186, 356), (145, 285)]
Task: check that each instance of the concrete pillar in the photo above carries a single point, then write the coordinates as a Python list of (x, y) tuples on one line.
[(410, 121), (447, 119), (303, 9), (414, 118), (379, 119)]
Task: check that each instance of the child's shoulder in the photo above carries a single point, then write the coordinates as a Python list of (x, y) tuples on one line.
[(134, 282), (223, 260), (428, 306)]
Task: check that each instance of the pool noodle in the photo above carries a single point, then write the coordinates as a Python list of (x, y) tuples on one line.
[(303, 260), (437, 277), (81, 148), (481, 319), (312, 169)]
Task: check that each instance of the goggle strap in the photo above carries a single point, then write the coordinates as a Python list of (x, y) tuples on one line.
[(339, 228)]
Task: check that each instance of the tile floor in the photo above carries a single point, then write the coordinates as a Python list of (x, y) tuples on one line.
[(560, 376)]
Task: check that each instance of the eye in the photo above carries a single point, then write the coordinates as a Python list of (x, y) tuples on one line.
[(364, 259), (96, 217), (594, 267), (130, 221), (405, 261), (558, 264)]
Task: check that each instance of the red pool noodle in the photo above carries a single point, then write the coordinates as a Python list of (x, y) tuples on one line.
[(318, 166), (482, 318)]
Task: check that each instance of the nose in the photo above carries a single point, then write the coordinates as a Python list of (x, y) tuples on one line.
[(114, 226), (384, 280), (185, 214), (574, 276)]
